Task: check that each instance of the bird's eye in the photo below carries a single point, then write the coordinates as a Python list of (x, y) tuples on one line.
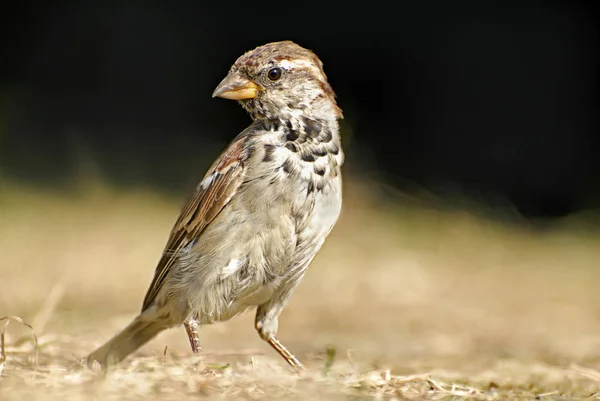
[(274, 74)]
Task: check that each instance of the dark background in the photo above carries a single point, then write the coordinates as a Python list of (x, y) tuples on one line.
[(486, 99)]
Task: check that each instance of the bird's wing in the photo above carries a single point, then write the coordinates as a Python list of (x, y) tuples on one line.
[(219, 185)]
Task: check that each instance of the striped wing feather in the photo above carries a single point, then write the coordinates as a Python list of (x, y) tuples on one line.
[(210, 197)]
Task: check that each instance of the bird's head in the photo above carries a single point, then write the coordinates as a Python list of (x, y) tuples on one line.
[(280, 80)]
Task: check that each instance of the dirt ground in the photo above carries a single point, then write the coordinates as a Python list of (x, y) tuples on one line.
[(403, 302)]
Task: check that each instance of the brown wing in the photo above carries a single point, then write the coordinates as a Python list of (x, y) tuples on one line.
[(214, 192)]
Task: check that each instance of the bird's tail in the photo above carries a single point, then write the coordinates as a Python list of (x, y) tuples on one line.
[(141, 330)]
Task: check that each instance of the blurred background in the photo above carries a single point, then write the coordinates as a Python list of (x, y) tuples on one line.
[(466, 124), (499, 103)]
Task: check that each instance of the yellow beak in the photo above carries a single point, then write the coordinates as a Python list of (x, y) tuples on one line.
[(236, 87)]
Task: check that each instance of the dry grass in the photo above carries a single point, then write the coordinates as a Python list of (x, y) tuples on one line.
[(416, 303)]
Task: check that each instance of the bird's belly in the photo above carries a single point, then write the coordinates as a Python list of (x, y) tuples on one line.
[(236, 263), (245, 255)]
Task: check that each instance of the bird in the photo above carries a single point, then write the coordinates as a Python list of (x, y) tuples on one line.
[(253, 225)]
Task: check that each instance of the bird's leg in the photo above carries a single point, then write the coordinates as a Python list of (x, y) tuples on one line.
[(267, 322), (191, 327), (287, 355)]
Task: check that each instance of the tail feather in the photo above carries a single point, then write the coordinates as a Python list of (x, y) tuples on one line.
[(141, 330)]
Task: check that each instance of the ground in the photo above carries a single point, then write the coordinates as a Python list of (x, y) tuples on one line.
[(407, 300)]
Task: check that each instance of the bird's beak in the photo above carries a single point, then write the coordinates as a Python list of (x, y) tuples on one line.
[(236, 87)]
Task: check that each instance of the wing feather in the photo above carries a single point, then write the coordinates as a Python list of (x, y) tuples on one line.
[(210, 197)]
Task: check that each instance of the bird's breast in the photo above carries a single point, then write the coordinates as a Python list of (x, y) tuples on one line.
[(272, 228)]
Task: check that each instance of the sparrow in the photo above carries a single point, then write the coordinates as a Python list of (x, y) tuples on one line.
[(261, 213)]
